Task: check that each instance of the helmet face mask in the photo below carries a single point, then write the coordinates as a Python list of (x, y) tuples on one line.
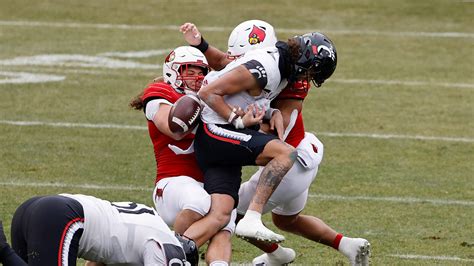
[(317, 60), (191, 75), (249, 35), (182, 68)]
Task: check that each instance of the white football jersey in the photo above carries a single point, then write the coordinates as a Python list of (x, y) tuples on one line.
[(115, 233), (268, 59)]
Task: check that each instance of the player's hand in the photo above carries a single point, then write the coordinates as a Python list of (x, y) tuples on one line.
[(253, 115), (276, 123), (191, 33), (237, 110)]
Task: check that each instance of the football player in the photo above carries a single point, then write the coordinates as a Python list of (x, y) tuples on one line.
[(225, 142), (289, 199), (179, 196), (58, 229)]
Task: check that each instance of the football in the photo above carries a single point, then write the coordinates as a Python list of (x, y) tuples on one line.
[(184, 115)]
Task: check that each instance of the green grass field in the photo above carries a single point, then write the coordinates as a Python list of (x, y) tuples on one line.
[(397, 117)]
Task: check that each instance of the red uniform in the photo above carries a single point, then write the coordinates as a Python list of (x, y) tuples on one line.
[(168, 163), (299, 91)]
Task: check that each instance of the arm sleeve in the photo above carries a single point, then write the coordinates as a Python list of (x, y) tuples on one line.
[(153, 254), (258, 72)]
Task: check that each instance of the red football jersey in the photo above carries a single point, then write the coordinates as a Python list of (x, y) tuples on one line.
[(297, 90), (296, 134), (168, 163)]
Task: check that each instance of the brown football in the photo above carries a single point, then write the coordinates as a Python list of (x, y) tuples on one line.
[(184, 115)]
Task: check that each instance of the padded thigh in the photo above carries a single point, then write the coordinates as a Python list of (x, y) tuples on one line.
[(179, 193)]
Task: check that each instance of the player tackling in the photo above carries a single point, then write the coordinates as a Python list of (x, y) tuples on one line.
[(290, 197)]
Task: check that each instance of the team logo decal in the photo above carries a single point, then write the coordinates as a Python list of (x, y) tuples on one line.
[(328, 50), (170, 57), (257, 35)]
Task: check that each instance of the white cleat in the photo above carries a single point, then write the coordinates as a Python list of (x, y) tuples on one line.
[(282, 256), (360, 255), (249, 228)]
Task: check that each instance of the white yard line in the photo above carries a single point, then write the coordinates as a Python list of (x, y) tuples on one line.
[(70, 125), (422, 257), (404, 83), (392, 199), (329, 134), (20, 23), (393, 136), (61, 68), (436, 202), (82, 186)]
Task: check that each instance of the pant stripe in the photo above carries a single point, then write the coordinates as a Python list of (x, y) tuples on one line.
[(68, 233), (226, 135)]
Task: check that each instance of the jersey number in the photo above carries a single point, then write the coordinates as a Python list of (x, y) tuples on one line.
[(133, 208)]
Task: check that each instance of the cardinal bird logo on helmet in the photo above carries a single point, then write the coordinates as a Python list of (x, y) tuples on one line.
[(257, 35), (170, 57)]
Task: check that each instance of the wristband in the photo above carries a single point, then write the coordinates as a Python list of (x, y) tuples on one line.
[(238, 123), (203, 46)]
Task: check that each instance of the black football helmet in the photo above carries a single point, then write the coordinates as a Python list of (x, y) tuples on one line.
[(190, 249), (317, 59)]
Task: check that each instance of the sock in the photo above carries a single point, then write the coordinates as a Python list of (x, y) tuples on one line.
[(279, 250), (345, 246), (218, 263), (272, 248), (254, 215), (337, 241)]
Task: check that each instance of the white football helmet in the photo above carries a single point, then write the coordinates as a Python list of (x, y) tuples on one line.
[(248, 35), (175, 67)]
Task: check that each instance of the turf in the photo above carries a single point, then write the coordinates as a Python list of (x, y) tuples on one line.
[(397, 117)]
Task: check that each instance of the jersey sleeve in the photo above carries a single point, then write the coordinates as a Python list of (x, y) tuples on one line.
[(264, 67), (258, 72), (153, 254), (160, 90), (152, 107)]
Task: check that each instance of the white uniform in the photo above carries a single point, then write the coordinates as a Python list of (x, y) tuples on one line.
[(268, 58), (117, 233), (291, 194)]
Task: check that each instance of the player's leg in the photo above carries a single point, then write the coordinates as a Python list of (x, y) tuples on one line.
[(223, 185), (181, 201), (279, 157), (224, 146), (287, 217), (52, 227), (19, 227), (220, 213), (219, 250), (8, 257), (295, 182)]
